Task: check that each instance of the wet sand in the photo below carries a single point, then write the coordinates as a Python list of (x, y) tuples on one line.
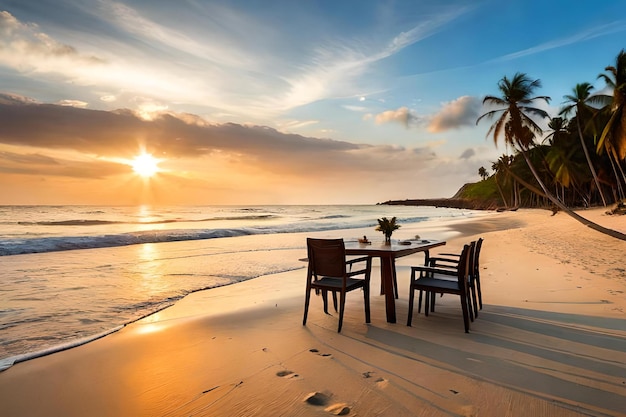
[(550, 341)]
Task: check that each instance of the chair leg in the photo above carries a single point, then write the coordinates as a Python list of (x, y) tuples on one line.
[(427, 306), (307, 298), (432, 302), (325, 299), (409, 318), (480, 293), (335, 300), (366, 299), (419, 303), (342, 304), (474, 301), (466, 313)]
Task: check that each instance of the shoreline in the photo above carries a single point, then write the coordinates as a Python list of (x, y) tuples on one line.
[(551, 340), (75, 325)]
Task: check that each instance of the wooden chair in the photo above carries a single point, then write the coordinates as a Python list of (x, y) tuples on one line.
[(330, 271), (437, 280), (451, 260)]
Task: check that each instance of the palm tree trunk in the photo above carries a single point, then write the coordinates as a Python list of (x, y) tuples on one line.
[(620, 190), (500, 191), (612, 152), (560, 205), (591, 168)]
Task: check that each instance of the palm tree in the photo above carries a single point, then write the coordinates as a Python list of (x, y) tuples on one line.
[(554, 157), (579, 101), (562, 163), (515, 108), (614, 134), (613, 137), (483, 173), (500, 168), (519, 129), (558, 127)]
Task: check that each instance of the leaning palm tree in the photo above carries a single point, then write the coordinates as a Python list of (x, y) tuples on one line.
[(497, 169), (515, 108), (614, 134), (579, 101), (613, 137)]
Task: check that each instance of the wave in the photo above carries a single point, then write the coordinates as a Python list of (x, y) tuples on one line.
[(89, 222), (6, 363), (53, 244), (69, 223)]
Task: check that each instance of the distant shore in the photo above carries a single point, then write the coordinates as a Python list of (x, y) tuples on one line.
[(475, 204), (460, 203)]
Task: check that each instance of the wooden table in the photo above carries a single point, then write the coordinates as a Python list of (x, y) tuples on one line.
[(388, 255)]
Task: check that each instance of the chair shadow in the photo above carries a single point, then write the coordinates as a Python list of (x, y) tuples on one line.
[(574, 359)]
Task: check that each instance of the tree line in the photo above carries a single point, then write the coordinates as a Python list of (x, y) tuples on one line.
[(561, 168), (578, 161)]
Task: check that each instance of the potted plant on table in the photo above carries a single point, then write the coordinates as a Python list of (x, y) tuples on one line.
[(387, 227)]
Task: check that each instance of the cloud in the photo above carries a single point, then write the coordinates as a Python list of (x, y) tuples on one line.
[(583, 36), (260, 72), (290, 125), (230, 163), (73, 103), (456, 114), (37, 164), (25, 47), (11, 99), (43, 133), (107, 133), (351, 107), (426, 28), (453, 115), (467, 154), (402, 115)]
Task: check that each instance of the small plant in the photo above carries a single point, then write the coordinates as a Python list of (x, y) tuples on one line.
[(387, 227)]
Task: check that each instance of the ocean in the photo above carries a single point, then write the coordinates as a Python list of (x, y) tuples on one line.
[(71, 274)]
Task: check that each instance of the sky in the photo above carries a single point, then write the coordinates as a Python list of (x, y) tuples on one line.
[(276, 101)]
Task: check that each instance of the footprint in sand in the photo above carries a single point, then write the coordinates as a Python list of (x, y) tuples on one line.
[(380, 381), (317, 398), (321, 399), (320, 354), (286, 374), (339, 409)]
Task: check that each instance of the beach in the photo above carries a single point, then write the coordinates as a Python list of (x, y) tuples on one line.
[(549, 341)]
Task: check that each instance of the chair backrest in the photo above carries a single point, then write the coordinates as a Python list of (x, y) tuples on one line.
[(471, 259), (463, 271), (476, 266), (327, 257)]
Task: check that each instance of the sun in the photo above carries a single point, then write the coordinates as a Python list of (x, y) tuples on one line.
[(145, 165)]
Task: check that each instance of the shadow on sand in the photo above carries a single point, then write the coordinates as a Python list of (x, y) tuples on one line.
[(578, 361)]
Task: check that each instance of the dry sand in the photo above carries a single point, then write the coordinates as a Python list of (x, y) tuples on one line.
[(550, 341)]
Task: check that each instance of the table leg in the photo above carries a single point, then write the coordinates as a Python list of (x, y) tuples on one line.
[(387, 270)]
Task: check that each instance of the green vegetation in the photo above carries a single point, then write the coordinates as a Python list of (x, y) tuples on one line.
[(387, 227), (485, 190), (579, 161), (563, 171)]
